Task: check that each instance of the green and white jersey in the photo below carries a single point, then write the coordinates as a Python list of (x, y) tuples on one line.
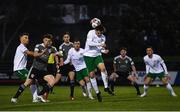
[(20, 58), (77, 59), (155, 64), (93, 42)]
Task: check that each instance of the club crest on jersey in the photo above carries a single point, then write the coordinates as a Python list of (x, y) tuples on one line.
[(126, 61)]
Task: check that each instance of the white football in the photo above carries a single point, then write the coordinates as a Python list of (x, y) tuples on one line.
[(95, 22)]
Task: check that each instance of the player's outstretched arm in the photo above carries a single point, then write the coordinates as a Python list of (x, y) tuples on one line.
[(34, 54)]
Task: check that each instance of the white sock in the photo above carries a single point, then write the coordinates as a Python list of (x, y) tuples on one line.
[(33, 88), (145, 88), (94, 84), (105, 79), (169, 87), (89, 88), (35, 94)]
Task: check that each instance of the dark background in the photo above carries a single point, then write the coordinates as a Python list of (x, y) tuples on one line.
[(134, 24)]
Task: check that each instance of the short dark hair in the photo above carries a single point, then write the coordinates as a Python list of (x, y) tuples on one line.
[(49, 36), (123, 48), (66, 33), (76, 40), (100, 28), (22, 34), (149, 47)]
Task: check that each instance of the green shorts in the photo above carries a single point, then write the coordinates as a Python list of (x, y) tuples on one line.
[(22, 74), (81, 74), (92, 62), (154, 75)]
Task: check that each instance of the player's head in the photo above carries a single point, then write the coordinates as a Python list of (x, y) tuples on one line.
[(24, 38), (66, 37), (77, 44), (100, 30), (47, 40), (123, 51), (149, 51)]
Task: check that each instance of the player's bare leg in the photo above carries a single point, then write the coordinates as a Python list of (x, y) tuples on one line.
[(47, 87), (146, 86), (168, 86), (134, 83)]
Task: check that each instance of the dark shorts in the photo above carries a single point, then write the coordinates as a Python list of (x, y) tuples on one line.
[(123, 77), (123, 74), (51, 69), (64, 70), (38, 74)]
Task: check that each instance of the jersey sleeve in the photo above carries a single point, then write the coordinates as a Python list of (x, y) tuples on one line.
[(147, 66), (114, 61), (163, 65), (131, 61), (160, 59), (36, 49), (90, 41), (60, 47), (68, 59), (23, 49)]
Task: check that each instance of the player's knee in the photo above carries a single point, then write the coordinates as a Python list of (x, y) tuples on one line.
[(27, 82), (164, 81), (51, 81), (111, 78)]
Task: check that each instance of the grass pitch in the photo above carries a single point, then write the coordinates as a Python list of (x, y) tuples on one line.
[(125, 99)]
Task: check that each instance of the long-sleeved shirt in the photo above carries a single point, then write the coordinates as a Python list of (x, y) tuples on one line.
[(76, 57), (93, 44), (155, 64)]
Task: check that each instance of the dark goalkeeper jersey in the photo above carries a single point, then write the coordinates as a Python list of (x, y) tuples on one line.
[(123, 65)]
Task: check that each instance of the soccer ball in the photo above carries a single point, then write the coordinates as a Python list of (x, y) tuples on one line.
[(95, 22)]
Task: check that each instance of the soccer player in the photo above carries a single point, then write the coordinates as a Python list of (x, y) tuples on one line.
[(20, 62), (67, 69), (75, 55), (124, 68), (155, 67), (53, 64), (40, 69), (95, 44)]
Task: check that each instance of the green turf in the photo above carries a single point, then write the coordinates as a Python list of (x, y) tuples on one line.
[(125, 99)]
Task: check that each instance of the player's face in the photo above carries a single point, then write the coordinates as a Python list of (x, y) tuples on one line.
[(66, 38), (77, 45), (99, 33), (149, 51), (123, 53), (25, 39), (47, 42)]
